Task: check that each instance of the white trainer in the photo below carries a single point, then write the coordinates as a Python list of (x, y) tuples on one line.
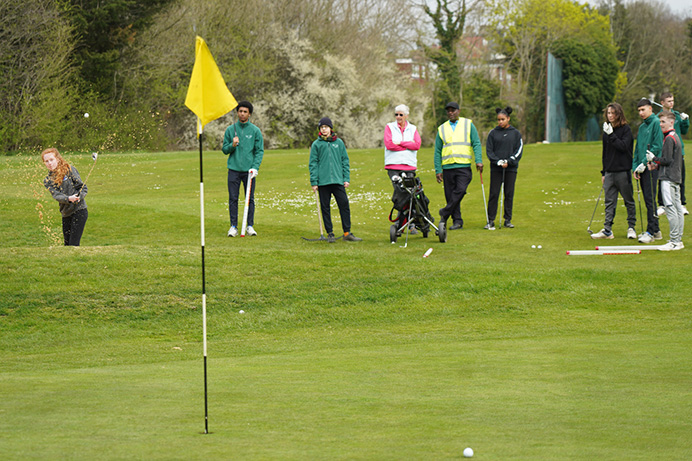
[(233, 231), (660, 211), (684, 210), (250, 231), (646, 238), (667, 247), (602, 235), (631, 233)]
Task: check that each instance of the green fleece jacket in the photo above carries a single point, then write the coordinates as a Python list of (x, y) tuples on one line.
[(681, 127), (329, 162), (249, 151), (649, 137)]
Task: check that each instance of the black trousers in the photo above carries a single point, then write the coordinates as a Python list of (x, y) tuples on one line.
[(234, 180), (648, 181), (339, 193), (456, 181), (73, 227), (498, 176)]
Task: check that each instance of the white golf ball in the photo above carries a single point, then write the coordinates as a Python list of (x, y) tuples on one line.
[(468, 452), (539, 247), (241, 311), (533, 246), (86, 114)]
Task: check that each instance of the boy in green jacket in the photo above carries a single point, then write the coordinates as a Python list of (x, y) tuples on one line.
[(330, 174), (244, 145), (649, 139)]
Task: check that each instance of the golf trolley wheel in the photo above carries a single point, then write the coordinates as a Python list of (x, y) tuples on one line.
[(442, 233), (393, 234)]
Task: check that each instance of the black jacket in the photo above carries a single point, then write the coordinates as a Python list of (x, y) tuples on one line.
[(504, 144), (617, 150)]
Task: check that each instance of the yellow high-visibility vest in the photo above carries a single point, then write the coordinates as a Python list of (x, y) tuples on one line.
[(456, 144)]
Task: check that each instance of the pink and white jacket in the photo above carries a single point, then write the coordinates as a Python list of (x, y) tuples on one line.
[(401, 147)]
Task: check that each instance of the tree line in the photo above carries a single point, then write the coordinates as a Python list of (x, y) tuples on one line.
[(127, 64)]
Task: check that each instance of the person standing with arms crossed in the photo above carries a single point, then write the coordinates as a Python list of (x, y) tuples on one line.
[(401, 144), (682, 125), (244, 145), (649, 139), (457, 145)]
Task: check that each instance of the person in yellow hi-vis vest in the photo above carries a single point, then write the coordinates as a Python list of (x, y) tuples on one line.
[(457, 147)]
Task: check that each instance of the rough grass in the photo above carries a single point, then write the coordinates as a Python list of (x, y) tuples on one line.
[(345, 351)]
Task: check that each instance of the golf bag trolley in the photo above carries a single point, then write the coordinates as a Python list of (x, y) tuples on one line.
[(411, 207)]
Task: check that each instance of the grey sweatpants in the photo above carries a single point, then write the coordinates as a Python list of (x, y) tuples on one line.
[(614, 183), (671, 201)]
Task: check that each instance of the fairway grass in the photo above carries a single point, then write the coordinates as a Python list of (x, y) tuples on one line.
[(346, 351)]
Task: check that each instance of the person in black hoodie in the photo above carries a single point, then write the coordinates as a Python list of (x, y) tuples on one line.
[(616, 177), (504, 149)]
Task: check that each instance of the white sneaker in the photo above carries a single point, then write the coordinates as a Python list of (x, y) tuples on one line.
[(233, 231), (250, 231), (602, 235), (646, 238), (660, 211), (684, 210), (679, 246), (631, 233), (658, 236), (670, 246)]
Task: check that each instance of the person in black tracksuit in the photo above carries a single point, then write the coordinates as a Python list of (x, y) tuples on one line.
[(504, 149), (618, 144)]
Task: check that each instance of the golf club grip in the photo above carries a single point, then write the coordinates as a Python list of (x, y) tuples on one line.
[(247, 205)]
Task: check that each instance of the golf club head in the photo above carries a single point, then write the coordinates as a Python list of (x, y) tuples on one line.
[(94, 156), (653, 102), (589, 231)]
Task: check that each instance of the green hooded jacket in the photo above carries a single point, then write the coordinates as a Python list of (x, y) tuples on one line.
[(649, 137), (329, 162), (249, 152)]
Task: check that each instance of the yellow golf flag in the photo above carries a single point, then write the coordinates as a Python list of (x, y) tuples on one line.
[(207, 95)]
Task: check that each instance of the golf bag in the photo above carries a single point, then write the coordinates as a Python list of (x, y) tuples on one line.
[(410, 206)]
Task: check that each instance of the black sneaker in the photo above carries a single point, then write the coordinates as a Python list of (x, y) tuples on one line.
[(509, 225), (349, 237), (331, 238), (456, 226), (490, 225)]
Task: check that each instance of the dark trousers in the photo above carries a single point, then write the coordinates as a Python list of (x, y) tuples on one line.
[(73, 227), (498, 177), (648, 180), (234, 180), (614, 183), (456, 181), (339, 193), (398, 193)]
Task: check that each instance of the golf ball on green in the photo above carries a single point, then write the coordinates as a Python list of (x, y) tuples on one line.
[(86, 114), (533, 246), (241, 311), (539, 247), (468, 452)]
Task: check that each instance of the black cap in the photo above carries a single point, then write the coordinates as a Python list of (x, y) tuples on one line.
[(326, 121), (453, 105)]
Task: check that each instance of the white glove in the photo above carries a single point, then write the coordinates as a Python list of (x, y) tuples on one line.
[(640, 169), (252, 172), (684, 116), (607, 128), (650, 156), (501, 162)]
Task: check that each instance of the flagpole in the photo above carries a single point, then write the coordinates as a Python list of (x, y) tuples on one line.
[(204, 288)]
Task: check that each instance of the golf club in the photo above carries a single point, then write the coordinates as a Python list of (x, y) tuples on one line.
[(247, 204), (588, 229), (653, 102), (485, 205), (319, 220), (408, 221), (502, 195), (639, 198), (94, 156)]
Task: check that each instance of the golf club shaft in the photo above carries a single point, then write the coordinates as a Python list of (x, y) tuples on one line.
[(485, 205), (87, 178), (588, 229), (639, 198), (319, 212), (247, 204)]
